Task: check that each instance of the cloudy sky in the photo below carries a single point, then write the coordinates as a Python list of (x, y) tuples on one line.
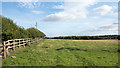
[(65, 18)]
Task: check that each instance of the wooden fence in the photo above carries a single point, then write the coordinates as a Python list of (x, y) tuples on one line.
[(12, 44)]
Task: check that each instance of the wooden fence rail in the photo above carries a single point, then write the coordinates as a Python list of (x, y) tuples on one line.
[(12, 44)]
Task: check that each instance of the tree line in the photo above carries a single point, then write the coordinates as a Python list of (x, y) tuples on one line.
[(11, 31), (86, 37)]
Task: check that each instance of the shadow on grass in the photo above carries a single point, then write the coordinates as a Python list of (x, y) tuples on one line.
[(45, 47), (71, 49)]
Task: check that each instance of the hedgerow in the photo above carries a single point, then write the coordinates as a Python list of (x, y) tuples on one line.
[(11, 31)]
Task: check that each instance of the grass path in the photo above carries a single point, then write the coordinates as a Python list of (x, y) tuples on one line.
[(66, 53)]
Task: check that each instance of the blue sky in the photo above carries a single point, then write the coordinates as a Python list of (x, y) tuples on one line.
[(65, 19)]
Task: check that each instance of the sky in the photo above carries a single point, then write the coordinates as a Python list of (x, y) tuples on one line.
[(65, 18)]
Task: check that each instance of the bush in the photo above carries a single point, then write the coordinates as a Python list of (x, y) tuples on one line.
[(11, 31), (33, 33)]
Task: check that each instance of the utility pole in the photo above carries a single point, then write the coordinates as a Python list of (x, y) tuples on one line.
[(36, 25)]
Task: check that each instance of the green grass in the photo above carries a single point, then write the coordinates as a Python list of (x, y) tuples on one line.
[(66, 53)]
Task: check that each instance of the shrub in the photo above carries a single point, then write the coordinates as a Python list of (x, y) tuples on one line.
[(11, 31)]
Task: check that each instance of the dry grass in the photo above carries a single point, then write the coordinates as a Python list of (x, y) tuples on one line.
[(87, 40), (39, 45)]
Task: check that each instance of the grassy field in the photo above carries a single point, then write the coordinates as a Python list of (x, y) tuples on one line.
[(51, 52)]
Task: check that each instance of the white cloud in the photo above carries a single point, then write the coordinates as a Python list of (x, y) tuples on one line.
[(95, 17), (109, 27), (59, 7), (28, 4), (72, 11), (115, 7), (115, 14), (37, 12), (106, 10), (106, 29), (103, 10), (59, 16)]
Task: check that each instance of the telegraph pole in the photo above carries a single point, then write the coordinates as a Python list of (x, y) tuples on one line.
[(36, 25)]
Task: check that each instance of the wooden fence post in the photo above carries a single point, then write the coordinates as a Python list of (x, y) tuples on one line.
[(13, 45), (29, 41), (19, 44), (23, 42), (7, 51), (4, 48)]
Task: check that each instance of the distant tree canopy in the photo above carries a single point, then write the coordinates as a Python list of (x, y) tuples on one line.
[(11, 31), (87, 37)]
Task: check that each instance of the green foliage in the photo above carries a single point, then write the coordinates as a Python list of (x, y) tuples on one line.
[(33, 33), (11, 31)]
